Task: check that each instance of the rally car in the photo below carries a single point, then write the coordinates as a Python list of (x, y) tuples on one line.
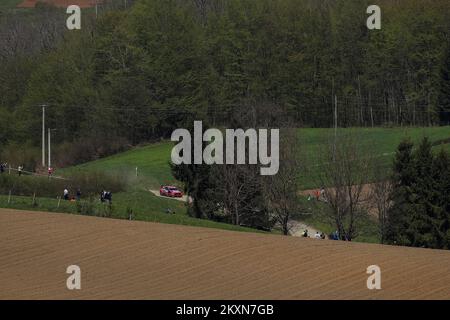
[(170, 191)]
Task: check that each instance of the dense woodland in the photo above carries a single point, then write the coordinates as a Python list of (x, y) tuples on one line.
[(134, 74), (419, 210)]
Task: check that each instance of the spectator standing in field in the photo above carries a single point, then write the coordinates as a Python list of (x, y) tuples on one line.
[(305, 233), (2, 167), (78, 194), (317, 193), (66, 194), (322, 236), (50, 172), (19, 170), (108, 197), (317, 236), (336, 235)]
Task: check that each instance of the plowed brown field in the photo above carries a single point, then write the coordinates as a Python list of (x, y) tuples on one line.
[(134, 260)]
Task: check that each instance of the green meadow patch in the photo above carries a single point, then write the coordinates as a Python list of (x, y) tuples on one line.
[(152, 161), (147, 167), (142, 206)]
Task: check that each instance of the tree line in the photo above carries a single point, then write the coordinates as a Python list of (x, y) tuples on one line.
[(136, 73), (419, 211), (238, 194), (412, 202)]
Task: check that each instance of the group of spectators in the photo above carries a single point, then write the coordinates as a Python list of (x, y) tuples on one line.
[(318, 194), (336, 236), (4, 165), (105, 196), (66, 195), (318, 235), (321, 235)]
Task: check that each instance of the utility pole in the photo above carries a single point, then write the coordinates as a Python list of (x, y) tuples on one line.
[(335, 127), (335, 116), (49, 147), (49, 159), (43, 135)]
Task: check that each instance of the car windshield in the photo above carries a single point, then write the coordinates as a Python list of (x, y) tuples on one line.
[(173, 189)]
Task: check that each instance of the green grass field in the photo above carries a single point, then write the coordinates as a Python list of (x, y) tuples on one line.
[(315, 214), (153, 166), (379, 143), (152, 163), (145, 208)]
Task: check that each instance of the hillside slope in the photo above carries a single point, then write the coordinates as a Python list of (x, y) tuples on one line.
[(137, 260), (152, 161)]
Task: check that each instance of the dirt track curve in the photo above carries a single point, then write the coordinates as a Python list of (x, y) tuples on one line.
[(142, 260)]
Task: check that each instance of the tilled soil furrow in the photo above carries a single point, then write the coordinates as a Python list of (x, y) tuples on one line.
[(122, 259)]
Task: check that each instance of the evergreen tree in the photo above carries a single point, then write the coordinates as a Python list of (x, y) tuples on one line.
[(444, 93), (403, 180), (422, 229), (441, 174), (419, 215)]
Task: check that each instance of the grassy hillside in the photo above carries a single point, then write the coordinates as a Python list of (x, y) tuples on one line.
[(152, 164), (316, 214), (153, 161), (380, 143), (146, 207)]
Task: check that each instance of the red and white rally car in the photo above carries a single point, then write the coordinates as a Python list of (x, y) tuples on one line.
[(170, 191)]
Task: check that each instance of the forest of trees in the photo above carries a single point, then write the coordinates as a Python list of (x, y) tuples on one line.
[(419, 211), (135, 74)]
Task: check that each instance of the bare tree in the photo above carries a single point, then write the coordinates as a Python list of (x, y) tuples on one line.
[(344, 172), (242, 186), (282, 188), (239, 187), (27, 37), (380, 195)]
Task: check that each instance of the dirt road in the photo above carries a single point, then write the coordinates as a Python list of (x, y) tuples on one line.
[(298, 227), (366, 195), (122, 259), (183, 198)]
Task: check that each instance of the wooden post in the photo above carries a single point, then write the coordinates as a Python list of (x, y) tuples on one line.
[(335, 126), (59, 201), (371, 111), (9, 197), (34, 199)]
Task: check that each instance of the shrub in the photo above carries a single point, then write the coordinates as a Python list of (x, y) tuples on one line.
[(90, 183)]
